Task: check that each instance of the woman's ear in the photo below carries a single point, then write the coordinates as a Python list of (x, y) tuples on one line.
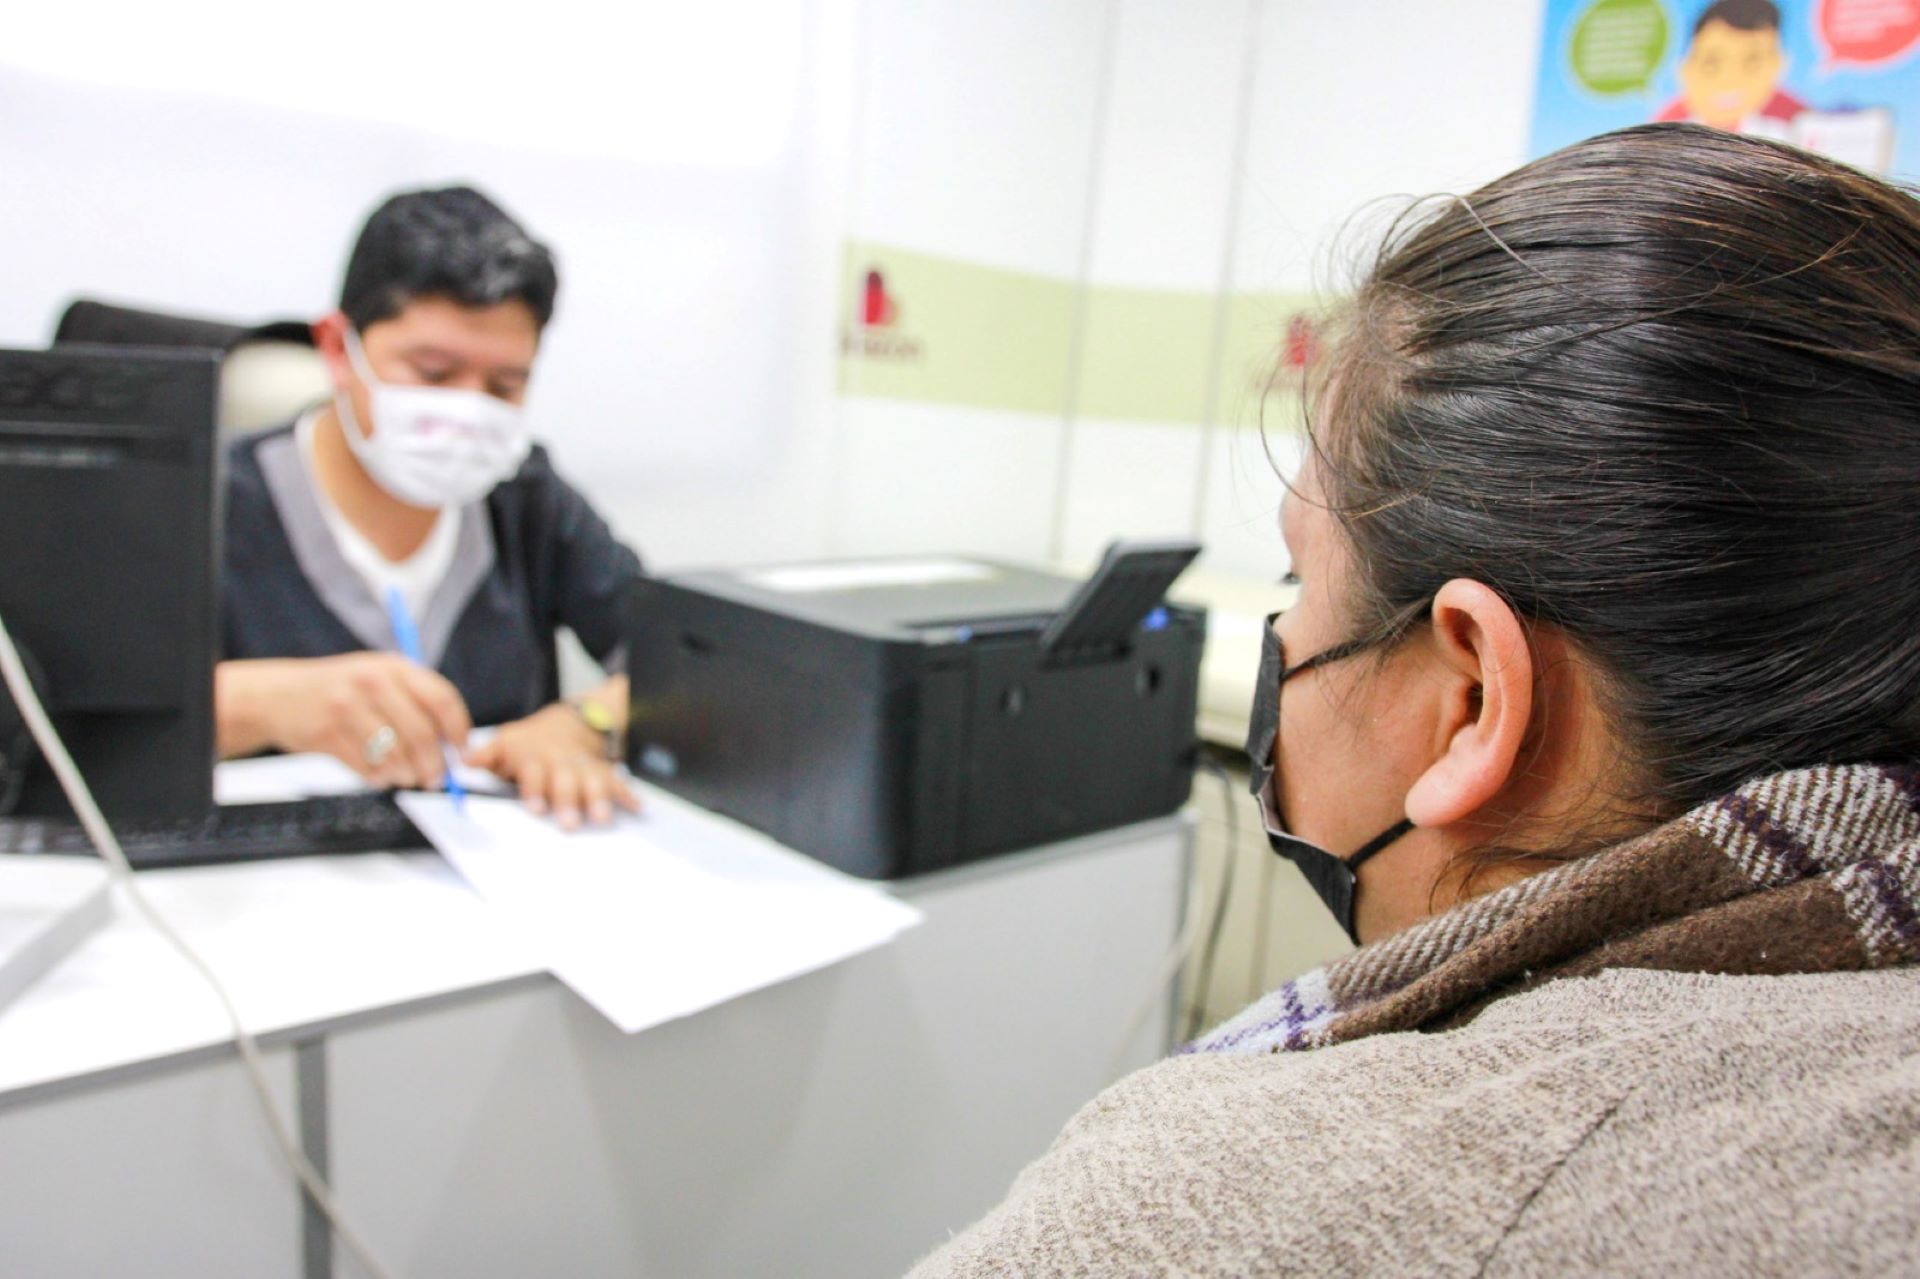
[(1486, 703)]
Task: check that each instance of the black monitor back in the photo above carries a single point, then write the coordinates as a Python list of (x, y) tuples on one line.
[(109, 519)]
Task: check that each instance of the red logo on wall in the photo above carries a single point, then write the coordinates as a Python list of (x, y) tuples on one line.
[(877, 310), (1302, 345), (874, 332)]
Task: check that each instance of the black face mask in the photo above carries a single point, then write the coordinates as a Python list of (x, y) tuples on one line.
[(1332, 878)]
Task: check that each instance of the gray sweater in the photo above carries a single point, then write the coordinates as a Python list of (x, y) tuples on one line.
[(1631, 1122)]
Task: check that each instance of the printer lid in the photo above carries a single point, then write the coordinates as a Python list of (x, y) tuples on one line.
[(894, 598)]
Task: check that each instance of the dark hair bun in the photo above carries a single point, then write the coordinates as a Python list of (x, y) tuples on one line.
[(1660, 389)]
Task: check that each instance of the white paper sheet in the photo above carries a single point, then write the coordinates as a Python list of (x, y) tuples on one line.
[(660, 915), (272, 778)]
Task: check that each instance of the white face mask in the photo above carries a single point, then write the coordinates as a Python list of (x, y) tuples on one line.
[(432, 446)]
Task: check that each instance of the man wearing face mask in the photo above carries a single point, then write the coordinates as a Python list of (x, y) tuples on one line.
[(416, 490)]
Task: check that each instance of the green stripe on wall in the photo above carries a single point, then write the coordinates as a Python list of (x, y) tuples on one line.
[(970, 335), (1147, 355), (1257, 337), (962, 334)]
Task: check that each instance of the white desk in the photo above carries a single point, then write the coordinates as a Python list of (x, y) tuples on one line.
[(477, 1119)]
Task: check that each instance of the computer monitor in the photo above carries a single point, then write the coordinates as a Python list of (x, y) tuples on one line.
[(109, 519)]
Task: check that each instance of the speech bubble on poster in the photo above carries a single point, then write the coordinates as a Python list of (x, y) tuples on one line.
[(1618, 46), (1866, 32)]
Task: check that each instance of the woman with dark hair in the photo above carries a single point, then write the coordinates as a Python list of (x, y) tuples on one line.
[(1597, 723)]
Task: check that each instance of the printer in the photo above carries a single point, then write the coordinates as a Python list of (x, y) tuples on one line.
[(892, 717)]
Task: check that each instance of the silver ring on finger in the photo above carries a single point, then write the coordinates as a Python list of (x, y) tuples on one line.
[(380, 744)]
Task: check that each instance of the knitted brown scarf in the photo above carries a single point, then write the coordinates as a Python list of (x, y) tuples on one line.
[(1810, 871)]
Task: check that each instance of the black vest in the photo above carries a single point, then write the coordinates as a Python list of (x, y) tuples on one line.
[(532, 557)]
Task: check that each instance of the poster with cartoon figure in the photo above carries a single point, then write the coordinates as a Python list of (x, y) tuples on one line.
[(1835, 76)]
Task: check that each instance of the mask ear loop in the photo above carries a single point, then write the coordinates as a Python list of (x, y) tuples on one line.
[(357, 357), (359, 435), (1337, 653), (1378, 842), (1399, 828)]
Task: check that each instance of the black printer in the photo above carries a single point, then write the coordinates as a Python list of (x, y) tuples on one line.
[(891, 717)]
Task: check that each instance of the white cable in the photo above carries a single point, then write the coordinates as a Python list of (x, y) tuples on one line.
[(1168, 971), (1262, 932), (96, 827), (1202, 1006)]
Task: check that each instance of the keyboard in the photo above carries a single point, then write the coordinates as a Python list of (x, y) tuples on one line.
[(358, 823)]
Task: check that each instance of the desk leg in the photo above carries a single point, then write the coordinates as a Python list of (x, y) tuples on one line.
[(310, 1081)]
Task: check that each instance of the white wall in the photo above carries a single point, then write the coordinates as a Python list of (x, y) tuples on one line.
[(973, 140), (1170, 154), (1355, 108), (698, 168), (1365, 101), (1192, 145), (683, 160)]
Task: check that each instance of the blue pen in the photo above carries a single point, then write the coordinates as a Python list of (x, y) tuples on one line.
[(407, 636)]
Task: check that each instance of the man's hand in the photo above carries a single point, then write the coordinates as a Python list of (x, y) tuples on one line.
[(555, 759), (381, 715)]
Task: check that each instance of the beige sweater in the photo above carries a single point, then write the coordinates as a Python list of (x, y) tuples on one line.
[(1633, 1122)]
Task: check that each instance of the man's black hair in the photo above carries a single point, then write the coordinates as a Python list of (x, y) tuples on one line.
[(450, 243), (1741, 15)]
